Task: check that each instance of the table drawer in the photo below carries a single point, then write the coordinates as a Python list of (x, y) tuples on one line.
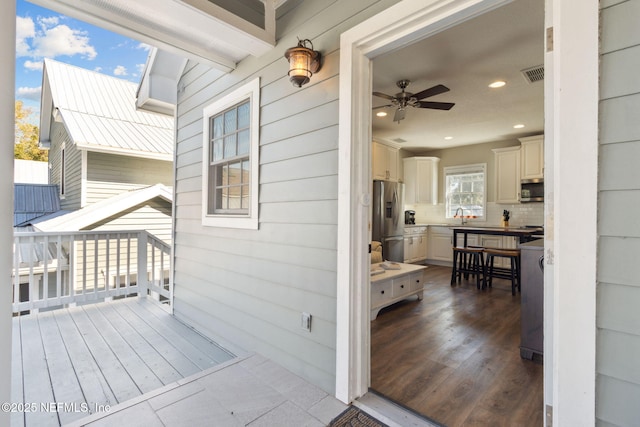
[(401, 286), (380, 292), (417, 281)]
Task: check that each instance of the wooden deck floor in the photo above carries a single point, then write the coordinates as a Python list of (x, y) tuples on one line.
[(88, 358), (454, 356)]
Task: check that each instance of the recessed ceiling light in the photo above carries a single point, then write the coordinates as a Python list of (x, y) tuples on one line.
[(448, 137), (381, 113), (497, 84), (518, 126)]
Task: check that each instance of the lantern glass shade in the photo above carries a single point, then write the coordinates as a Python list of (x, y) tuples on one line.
[(303, 62), (300, 66)]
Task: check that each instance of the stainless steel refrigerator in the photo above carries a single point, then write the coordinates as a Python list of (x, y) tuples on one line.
[(388, 218)]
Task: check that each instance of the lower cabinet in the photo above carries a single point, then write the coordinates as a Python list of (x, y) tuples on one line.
[(415, 244), (440, 244), (395, 285)]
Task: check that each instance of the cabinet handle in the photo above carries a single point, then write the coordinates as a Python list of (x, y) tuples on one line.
[(401, 286), (382, 292)]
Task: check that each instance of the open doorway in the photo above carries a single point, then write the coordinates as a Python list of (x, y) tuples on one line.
[(459, 347)]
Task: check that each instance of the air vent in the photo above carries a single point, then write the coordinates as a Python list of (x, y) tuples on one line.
[(534, 74), (399, 140)]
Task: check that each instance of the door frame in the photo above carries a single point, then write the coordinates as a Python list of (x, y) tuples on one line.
[(571, 369)]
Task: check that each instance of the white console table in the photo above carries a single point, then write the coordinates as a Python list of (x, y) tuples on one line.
[(395, 285)]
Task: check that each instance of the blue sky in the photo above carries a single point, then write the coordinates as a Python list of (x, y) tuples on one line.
[(42, 33)]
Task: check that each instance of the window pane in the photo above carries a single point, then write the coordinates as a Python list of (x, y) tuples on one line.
[(243, 142), (245, 197), (235, 173), (218, 128), (234, 197), (217, 150), (223, 178), (230, 146), (243, 116), (230, 121), (245, 172), (222, 201)]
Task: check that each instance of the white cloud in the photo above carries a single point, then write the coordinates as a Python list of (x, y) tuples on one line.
[(140, 69), (33, 65), (97, 69), (62, 40), (143, 46), (29, 93), (25, 29), (49, 22), (120, 70)]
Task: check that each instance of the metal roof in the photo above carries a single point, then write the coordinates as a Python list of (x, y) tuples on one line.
[(32, 201), (99, 113), (96, 212)]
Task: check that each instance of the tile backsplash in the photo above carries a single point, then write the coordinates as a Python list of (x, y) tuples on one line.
[(521, 214)]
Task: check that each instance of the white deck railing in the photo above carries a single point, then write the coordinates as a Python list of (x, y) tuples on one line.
[(55, 269)]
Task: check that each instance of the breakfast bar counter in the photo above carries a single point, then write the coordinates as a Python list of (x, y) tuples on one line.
[(523, 233)]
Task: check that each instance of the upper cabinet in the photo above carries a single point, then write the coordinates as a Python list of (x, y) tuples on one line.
[(507, 162), (385, 162), (532, 157), (421, 180)]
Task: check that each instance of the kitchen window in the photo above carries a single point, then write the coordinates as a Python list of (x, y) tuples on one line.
[(230, 162), (465, 188)]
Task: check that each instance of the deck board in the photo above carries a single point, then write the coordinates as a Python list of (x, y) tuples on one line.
[(101, 354), (66, 387)]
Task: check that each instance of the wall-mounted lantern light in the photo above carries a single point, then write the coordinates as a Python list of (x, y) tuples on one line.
[(303, 62)]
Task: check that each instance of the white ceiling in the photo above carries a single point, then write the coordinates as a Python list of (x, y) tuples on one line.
[(466, 58)]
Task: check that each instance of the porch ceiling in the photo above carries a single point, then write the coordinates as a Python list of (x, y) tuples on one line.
[(213, 34)]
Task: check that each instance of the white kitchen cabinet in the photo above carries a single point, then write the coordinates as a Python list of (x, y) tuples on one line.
[(421, 180), (532, 157), (440, 243), (385, 162), (415, 244), (507, 174)]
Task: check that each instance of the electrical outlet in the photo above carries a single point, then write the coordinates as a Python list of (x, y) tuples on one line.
[(306, 322)]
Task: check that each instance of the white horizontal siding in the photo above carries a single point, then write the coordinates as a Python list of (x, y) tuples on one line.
[(618, 298), (73, 167), (110, 174), (249, 287), (154, 217)]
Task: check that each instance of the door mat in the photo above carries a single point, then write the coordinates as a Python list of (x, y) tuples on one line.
[(354, 417)]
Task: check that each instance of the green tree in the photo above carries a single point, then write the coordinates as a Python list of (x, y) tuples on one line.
[(26, 139)]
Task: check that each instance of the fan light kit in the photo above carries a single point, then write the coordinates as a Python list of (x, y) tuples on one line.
[(404, 99)]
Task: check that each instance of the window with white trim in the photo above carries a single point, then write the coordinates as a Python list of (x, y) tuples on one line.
[(465, 190), (230, 161)]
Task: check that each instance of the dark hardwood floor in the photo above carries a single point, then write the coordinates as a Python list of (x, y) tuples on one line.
[(454, 356)]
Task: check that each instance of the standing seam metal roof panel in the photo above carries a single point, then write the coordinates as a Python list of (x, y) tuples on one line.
[(99, 111)]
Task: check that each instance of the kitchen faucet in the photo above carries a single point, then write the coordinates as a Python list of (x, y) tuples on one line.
[(461, 215)]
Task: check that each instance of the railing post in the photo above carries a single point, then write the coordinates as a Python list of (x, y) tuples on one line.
[(142, 264)]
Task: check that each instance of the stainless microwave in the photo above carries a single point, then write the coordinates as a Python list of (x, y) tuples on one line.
[(531, 190)]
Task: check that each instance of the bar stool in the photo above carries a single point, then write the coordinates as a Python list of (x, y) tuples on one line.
[(512, 273), (468, 261)]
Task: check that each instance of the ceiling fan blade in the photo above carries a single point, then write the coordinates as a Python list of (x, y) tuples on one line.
[(435, 105), (383, 106), (384, 95), (399, 115), (432, 91)]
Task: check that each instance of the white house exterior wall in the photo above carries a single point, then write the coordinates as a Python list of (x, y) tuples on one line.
[(73, 167), (618, 338), (250, 287), (111, 174)]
